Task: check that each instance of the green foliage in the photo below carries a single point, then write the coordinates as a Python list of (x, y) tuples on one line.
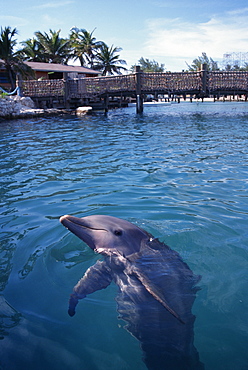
[(84, 46), (54, 48), (236, 67), (147, 65), (81, 45), (7, 43), (245, 68), (32, 51), (108, 60), (11, 60), (3, 94), (203, 59)]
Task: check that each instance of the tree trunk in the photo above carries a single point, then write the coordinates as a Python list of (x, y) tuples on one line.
[(11, 78)]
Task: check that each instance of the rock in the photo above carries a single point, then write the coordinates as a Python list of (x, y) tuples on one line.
[(27, 102), (80, 111), (24, 107), (12, 106)]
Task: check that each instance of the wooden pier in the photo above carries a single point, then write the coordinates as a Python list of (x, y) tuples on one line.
[(137, 85)]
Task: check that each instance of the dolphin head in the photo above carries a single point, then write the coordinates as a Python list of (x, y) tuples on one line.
[(106, 234)]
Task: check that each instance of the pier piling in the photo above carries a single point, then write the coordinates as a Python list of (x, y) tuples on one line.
[(139, 97)]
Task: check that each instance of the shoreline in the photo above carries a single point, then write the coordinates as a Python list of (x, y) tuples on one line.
[(24, 111), (32, 113), (16, 107)]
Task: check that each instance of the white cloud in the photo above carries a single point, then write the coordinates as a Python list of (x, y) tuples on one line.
[(53, 5), (180, 40), (238, 11), (46, 20), (12, 20)]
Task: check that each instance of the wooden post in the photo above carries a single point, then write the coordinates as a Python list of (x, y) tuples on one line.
[(19, 84), (106, 103), (66, 91), (139, 104), (204, 79), (139, 97)]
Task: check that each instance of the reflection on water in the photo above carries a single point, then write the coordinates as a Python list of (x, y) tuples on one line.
[(9, 317), (179, 171)]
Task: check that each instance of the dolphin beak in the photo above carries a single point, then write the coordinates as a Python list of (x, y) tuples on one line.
[(77, 227), (69, 222), (65, 219), (81, 228)]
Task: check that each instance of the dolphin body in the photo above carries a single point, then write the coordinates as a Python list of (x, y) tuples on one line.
[(156, 288)]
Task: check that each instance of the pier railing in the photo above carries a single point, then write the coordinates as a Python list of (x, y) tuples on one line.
[(200, 84), (97, 86), (171, 82), (43, 88), (127, 84), (221, 82)]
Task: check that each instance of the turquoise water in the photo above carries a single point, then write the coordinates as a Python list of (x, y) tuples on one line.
[(178, 171)]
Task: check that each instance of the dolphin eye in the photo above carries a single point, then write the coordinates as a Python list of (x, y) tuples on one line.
[(118, 232)]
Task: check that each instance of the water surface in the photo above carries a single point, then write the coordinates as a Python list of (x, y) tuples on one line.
[(179, 171)]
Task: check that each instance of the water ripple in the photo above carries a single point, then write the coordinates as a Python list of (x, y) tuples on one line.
[(181, 172)]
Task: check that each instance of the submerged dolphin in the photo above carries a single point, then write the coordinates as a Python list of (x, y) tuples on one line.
[(156, 288)]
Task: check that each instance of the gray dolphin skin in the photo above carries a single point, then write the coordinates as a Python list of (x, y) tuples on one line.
[(156, 288)]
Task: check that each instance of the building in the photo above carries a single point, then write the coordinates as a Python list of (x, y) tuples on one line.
[(49, 71)]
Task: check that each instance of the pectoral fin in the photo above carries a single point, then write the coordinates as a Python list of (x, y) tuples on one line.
[(97, 277), (150, 287)]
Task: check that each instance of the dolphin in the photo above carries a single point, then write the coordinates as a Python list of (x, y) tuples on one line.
[(156, 288)]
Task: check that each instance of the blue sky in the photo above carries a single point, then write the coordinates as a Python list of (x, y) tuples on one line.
[(171, 32)]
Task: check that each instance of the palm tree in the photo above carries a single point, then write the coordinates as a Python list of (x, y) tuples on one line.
[(7, 44), (31, 51), (10, 59), (147, 65), (55, 49), (85, 46), (203, 59), (108, 61)]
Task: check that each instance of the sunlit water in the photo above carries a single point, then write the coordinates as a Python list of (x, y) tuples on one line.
[(179, 171)]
